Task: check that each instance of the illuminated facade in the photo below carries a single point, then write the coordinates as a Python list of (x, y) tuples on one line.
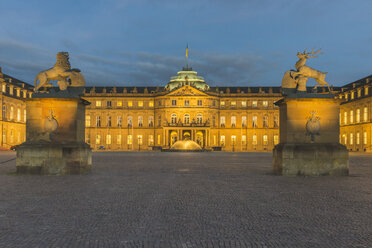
[(219, 118), (356, 115)]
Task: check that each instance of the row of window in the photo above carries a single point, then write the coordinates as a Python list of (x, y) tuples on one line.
[(18, 91), (243, 104), (350, 118), (119, 121), (352, 93), (14, 137), (11, 114), (357, 139)]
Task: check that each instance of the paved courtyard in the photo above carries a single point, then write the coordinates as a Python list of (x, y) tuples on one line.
[(185, 200)]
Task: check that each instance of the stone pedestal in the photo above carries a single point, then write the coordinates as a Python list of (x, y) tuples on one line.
[(309, 137), (55, 137)]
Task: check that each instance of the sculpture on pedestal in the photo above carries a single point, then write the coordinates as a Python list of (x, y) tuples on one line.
[(295, 80)]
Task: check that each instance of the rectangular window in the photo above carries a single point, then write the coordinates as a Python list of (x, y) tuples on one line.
[(352, 95), (108, 139), (140, 104), (244, 104), (244, 121), (233, 104), (159, 139), (254, 121), (359, 92), (151, 121), (222, 104), (140, 121), (151, 140), (345, 118), (357, 138), (214, 140), (24, 115), (139, 137), (87, 121), (98, 103), (351, 116), (108, 104), (244, 140), (98, 139), (345, 139), (118, 139), (222, 121), (18, 93), (200, 102), (233, 121), (254, 104), (265, 121), (365, 138), (276, 122), (98, 121), (129, 140), (222, 140), (351, 139), (130, 104), (151, 104), (366, 91), (357, 117), (365, 114), (346, 96), (108, 124), (18, 114), (187, 103), (265, 140), (276, 139), (265, 104), (3, 89), (119, 121), (254, 140), (233, 139), (174, 102), (119, 103), (130, 121)]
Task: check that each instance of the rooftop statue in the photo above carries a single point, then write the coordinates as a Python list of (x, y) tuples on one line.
[(296, 79), (61, 72)]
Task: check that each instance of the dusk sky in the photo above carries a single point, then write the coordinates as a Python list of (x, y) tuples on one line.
[(142, 42)]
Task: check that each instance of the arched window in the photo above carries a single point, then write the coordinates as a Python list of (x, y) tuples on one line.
[(173, 118), (265, 121), (130, 121), (11, 116), (186, 119), (18, 114), (199, 118)]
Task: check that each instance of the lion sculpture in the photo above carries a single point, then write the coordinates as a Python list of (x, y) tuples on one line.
[(61, 72)]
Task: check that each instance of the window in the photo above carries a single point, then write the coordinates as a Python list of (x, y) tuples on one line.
[(222, 121), (98, 121), (199, 118), (11, 136), (119, 103), (265, 121), (3, 89), (200, 102), (276, 122), (130, 104), (346, 96), (151, 121), (254, 104), (345, 139), (129, 140), (357, 117), (233, 139), (365, 114), (4, 136), (174, 102), (244, 104), (351, 139), (359, 92), (159, 139), (365, 138), (108, 124), (222, 140), (24, 115), (233, 121), (214, 121), (139, 137), (130, 121), (108, 139), (140, 103), (276, 139), (186, 119), (351, 116), (214, 140), (345, 118), (151, 140), (187, 103), (18, 114), (254, 121), (265, 104), (118, 139), (244, 121), (254, 139), (244, 140), (108, 104), (213, 103), (24, 94), (87, 121), (18, 93), (265, 140), (98, 103), (222, 104), (233, 104), (98, 139), (140, 121), (366, 91), (11, 116), (173, 118), (151, 103), (159, 120), (357, 138), (119, 121), (352, 95)]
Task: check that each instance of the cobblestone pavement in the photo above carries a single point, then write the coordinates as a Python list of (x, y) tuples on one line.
[(185, 200)]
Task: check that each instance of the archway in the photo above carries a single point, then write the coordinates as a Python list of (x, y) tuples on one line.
[(173, 137), (186, 135), (200, 138)]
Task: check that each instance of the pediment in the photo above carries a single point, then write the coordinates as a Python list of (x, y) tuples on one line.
[(187, 90)]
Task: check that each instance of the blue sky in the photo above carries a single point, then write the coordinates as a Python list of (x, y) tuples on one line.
[(142, 42)]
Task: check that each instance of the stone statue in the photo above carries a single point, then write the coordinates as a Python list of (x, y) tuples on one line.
[(62, 72), (313, 125), (293, 80)]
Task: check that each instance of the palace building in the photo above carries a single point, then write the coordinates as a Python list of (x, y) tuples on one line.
[(187, 108)]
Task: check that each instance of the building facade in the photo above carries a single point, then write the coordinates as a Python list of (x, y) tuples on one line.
[(218, 118)]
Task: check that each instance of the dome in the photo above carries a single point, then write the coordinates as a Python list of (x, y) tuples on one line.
[(187, 77), (185, 145)]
